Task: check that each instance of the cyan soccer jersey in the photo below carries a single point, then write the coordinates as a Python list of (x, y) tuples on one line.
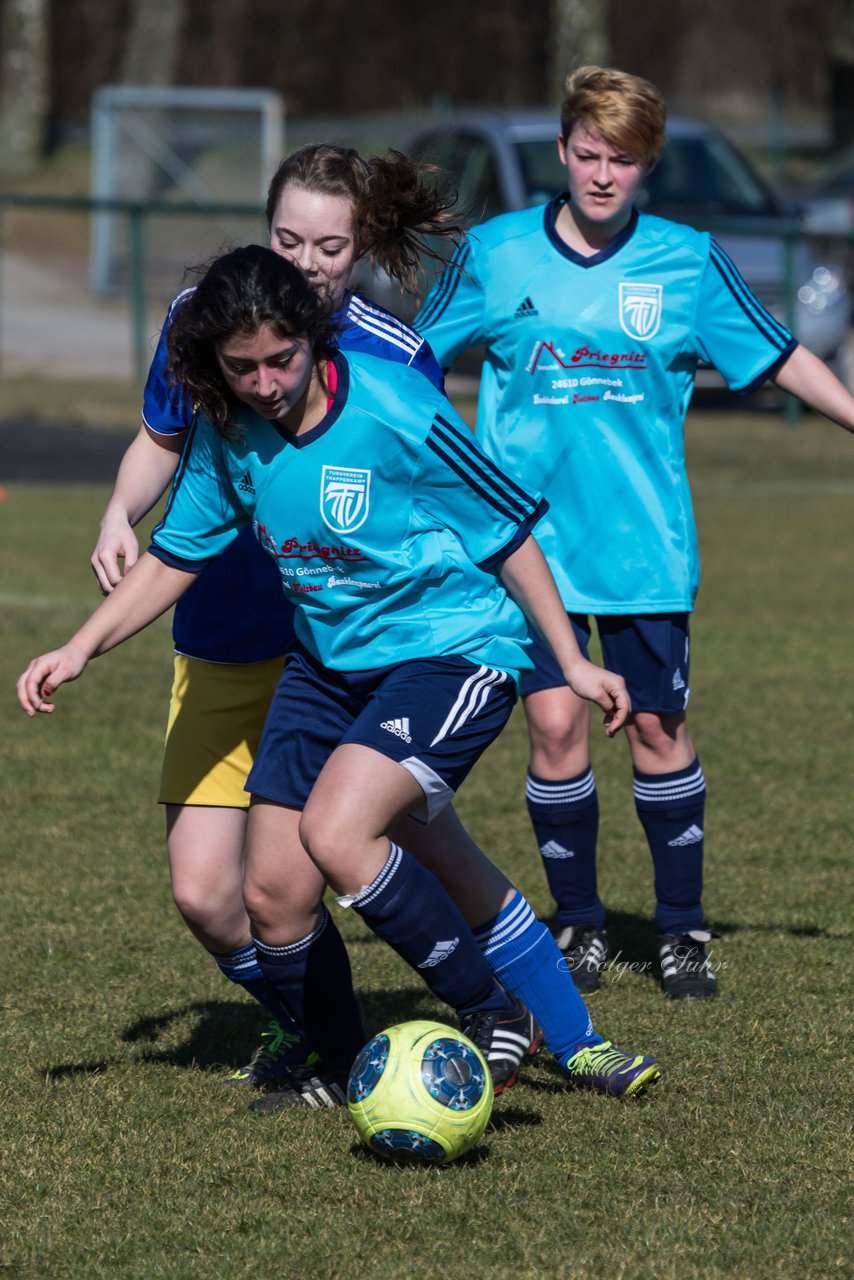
[(385, 522), (259, 622), (589, 370)]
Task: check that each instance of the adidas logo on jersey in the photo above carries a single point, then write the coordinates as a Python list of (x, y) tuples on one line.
[(525, 310), (245, 485), (692, 836), (554, 850), (400, 728), (440, 952), (678, 682)]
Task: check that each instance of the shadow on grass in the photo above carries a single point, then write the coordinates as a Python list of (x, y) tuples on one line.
[(415, 1167), (222, 1033)]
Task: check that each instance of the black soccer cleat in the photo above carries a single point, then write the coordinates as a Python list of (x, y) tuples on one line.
[(505, 1037), (686, 971), (585, 949), (313, 1086)]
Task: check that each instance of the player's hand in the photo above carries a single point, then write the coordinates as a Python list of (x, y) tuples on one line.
[(606, 689), (44, 675), (117, 542)]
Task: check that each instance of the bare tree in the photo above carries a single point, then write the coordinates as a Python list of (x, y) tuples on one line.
[(23, 83)]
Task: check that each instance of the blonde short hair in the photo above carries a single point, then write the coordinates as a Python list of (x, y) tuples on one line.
[(627, 111)]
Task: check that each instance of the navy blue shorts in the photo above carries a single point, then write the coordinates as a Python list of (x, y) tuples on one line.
[(651, 651), (435, 716)]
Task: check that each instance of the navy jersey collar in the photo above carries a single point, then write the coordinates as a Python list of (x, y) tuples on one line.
[(552, 210)]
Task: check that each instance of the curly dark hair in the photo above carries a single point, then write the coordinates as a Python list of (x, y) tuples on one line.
[(237, 294), (398, 206)]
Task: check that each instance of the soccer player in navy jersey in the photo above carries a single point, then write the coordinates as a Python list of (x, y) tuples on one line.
[(594, 317), (326, 207), (398, 542)]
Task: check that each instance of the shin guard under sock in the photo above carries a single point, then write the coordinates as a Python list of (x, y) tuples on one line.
[(313, 980), (525, 957), (671, 808), (565, 818), (407, 907)]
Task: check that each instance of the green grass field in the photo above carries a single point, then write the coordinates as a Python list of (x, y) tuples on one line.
[(125, 1154)]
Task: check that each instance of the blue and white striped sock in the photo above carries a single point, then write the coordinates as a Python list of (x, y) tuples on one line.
[(241, 967), (525, 957), (671, 807)]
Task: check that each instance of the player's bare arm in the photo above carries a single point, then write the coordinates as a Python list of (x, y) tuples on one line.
[(144, 474), (527, 577), (146, 591), (809, 378)]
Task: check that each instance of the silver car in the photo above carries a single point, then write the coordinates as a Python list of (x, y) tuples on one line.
[(501, 162)]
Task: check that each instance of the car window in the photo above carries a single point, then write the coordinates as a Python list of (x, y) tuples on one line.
[(705, 175), (480, 191), (468, 161), (542, 172), (835, 178), (444, 151)]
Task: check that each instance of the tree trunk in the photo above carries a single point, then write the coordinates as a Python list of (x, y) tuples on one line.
[(579, 38), (153, 42), (23, 84)]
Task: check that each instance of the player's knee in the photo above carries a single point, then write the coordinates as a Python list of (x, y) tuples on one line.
[(262, 901), (323, 834), (557, 748), (558, 734), (284, 914), (202, 907), (661, 736)]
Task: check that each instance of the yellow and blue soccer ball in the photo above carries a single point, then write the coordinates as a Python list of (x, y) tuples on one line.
[(420, 1093)]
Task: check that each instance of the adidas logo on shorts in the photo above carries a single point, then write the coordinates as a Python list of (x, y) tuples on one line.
[(400, 728), (525, 310), (440, 952), (692, 836)]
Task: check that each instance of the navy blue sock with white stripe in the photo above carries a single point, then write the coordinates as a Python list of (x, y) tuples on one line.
[(526, 958), (565, 818), (312, 978), (241, 967), (671, 809), (407, 907)]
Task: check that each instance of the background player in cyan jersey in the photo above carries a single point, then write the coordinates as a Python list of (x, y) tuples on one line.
[(594, 317), (326, 206), (398, 541)]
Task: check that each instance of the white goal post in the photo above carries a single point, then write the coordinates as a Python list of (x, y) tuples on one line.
[(204, 146)]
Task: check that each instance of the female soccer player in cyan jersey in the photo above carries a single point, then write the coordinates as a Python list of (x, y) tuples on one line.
[(594, 317), (392, 534), (326, 206)]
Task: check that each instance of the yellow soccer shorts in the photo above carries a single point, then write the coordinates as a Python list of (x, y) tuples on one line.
[(216, 715)]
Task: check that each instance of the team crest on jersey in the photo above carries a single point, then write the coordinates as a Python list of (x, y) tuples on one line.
[(640, 309), (344, 498)]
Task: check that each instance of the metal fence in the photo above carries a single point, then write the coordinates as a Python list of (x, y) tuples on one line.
[(138, 212)]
